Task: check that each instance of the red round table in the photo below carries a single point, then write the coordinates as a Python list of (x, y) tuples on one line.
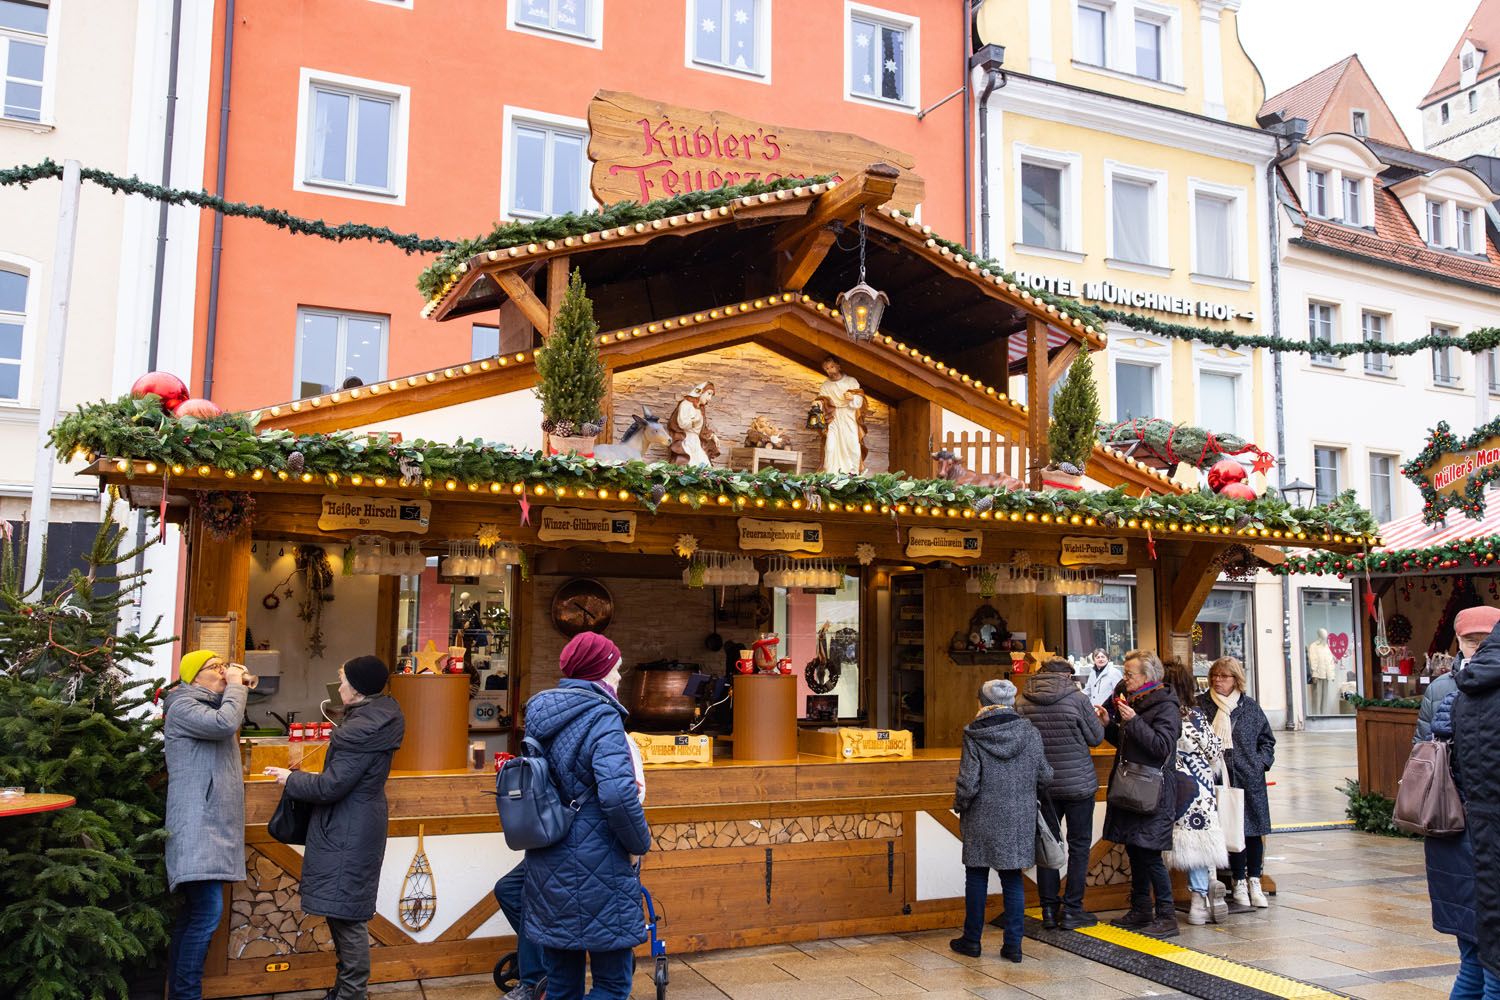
[(34, 802)]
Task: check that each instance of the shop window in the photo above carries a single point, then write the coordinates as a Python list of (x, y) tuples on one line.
[(565, 17), (823, 624), (1131, 208), (547, 175), (1214, 235), (1372, 330), (1135, 390), (882, 57), (1317, 193), (23, 51), (351, 138), (1148, 47), (468, 613), (338, 350), (1105, 620), (1328, 474), (729, 33), (1382, 480), (1352, 201), (1465, 218), (1320, 323), (1224, 628), (1041, 205), (1219, 402), (485, 342), (1328, 647), (13, 286), (1444, 361), (1092, 45)]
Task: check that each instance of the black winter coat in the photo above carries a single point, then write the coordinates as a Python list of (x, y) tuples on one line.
[(1476, 763), (1065, 718), (1252, 755), (347, 833), (1149, 738), (1450, 860)]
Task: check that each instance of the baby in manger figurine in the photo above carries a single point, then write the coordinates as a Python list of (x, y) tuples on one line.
[(839, 413)]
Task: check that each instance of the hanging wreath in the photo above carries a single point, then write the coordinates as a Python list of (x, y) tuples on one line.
[(1398, 630), (822, 675), (224, 513), (1237, 563)]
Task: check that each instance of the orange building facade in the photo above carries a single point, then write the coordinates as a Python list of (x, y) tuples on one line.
[(438, 117)]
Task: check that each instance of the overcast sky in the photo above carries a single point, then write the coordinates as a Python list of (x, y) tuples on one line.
[(1290, 40)]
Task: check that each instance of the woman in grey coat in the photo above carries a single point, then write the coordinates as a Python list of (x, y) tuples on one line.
[(1000, 773), (347, 833), (205, 806), (1249, 752)]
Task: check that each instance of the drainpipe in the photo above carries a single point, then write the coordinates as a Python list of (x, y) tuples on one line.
[(990, 58), (970, 8), (1273, 210), (211, 334)]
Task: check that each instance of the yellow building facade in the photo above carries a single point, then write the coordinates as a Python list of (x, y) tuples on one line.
[(1120, 163)]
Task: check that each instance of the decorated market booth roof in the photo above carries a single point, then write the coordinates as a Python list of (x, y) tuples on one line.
[(1411, 545)]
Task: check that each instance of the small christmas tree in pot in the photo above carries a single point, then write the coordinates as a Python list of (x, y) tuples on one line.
[(1070, 438), (572, 376)]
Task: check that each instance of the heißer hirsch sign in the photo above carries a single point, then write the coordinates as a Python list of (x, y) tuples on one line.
[(644, 149)]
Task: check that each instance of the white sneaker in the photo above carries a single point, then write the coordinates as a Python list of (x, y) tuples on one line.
[(1241, 892), (1257, 898), (1218, 910), (1197, 910)]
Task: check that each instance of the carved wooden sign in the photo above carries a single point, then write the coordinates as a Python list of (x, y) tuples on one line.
[(643, 150)]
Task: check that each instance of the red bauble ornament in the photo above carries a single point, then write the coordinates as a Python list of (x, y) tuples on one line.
[(197, 407), (1225, 471), (163, 384), (1237, 491)]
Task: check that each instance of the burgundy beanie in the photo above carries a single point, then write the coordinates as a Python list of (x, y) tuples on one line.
[(1470, 621), (589, 656)]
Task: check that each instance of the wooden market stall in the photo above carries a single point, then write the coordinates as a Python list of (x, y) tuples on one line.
[(894, 591)]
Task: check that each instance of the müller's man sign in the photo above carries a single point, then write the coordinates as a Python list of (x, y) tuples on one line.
[(1453, 473), (643, 150)]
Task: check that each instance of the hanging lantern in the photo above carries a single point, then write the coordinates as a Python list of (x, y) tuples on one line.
[(862, 306)]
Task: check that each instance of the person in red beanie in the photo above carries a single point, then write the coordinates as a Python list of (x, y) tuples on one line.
[(583, 894)]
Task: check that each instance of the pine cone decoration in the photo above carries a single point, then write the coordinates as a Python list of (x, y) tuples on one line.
[(295, 463), (1243, 521), (984, 503), (565, 429), (549, 426), (658, 493), (1110, 519), (590, 430)]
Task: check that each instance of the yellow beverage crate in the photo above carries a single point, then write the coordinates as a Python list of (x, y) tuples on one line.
[(669, 749), (848, 743)]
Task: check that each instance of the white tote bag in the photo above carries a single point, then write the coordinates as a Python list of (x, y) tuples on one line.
[(1231, 802)]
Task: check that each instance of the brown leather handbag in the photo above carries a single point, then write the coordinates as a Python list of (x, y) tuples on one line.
[(1427, 802)]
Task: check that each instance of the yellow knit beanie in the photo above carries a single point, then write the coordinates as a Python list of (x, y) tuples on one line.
[(193, 662)]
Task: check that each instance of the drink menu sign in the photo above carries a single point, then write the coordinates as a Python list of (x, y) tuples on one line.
[(643, 150), (1453, 473)]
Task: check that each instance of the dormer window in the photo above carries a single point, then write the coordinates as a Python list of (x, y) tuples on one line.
[(1467, 62), (1435, 223), (1466, 230), (1361, 123), (1352, 216), (1317, 193)]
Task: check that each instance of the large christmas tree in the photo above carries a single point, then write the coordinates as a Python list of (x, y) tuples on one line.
[(572, 376), (83, 903)]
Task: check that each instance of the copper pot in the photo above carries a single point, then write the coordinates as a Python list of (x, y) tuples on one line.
[(656, 701)]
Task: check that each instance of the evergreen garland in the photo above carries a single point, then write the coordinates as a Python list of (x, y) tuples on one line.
[(1171, 443), (1442, 441), (1479, 553), (83, 896), (1075, 413), (138, 429), (571, 382)]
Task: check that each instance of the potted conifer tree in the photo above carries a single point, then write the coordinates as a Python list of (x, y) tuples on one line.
[(1070, 438), (572, 384)]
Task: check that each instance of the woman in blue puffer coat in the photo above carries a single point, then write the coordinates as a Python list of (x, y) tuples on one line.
[(583, 894)]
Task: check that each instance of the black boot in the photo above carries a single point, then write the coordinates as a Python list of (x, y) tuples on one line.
[(965, 947), (1162, 927), (1011, 954), (1134, 920), (1072, 920), (1049, 917)]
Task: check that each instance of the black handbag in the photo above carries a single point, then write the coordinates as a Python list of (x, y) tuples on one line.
[(290, 821), (1136, 787)]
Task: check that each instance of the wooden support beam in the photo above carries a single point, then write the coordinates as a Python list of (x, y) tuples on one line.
[(1195, 575), (531, 307), (607, 409), (1038, 400), (916, 425), (558, 272), (1057, 368), (870, 189), (794, 269), (218, 579)]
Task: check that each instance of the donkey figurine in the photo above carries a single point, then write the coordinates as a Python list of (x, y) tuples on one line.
[(645, 431), (952, 468)]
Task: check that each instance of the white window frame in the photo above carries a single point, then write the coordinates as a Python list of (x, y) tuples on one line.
[(473, 331), (1157, 211), (1384, 367), (47, 114), (1071, 164), (1156, 362), (514, 116), (1492, 375), (1458, 228), (1238, 219), (343, 316), (1443, 113), (1359, 117), (593, 40), (1391, 480), (912, 25), (1334, 318), (1452, 356), (1318, 176), (1358, 218), (1440, 238), (1108, 40), (30, 326), (1473, 102), (1170, 20), (760, 73), (1241, 397), (400, 131), (1340, 468)]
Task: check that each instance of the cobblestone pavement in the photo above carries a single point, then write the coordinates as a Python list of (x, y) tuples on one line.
[(1351, 915)]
